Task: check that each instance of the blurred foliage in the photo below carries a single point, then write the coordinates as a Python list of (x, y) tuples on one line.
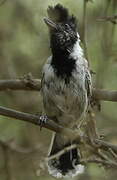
[(24, 48)]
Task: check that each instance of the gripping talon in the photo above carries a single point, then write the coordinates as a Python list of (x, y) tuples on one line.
[(42, 120)]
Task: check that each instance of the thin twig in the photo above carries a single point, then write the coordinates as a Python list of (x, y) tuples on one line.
[(103, 155), (66, 149), (112, 19), (113, 153)]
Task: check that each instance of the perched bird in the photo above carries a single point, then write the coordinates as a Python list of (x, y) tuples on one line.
[(66, 88)]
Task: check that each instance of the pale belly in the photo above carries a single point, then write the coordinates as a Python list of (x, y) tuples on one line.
[(67, 104)]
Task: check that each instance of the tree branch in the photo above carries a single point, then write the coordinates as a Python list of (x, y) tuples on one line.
[(35, 85), (20, 84), (112, 19), (105, 95), (79, 137), (35, 119), (66, 149), (51, 125)]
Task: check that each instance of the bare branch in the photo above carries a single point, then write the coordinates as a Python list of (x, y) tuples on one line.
[(112, 19), (51, 125), (66, 149), (35, 85), (105, 162), (35, 119), (79, 137), (20, 84), (105, 95), (113, 154)]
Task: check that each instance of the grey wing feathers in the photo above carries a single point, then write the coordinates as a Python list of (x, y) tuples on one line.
[(43, 72)]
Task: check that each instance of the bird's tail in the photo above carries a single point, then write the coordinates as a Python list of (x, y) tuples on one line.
[(64, 165)]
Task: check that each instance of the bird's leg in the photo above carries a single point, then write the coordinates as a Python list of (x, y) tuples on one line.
[(80, 123), (42, 120)]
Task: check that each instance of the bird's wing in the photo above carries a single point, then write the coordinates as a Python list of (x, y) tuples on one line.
[(44, 70), (49, 90)]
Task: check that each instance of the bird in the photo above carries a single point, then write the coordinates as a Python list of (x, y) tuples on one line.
[(66, 88)]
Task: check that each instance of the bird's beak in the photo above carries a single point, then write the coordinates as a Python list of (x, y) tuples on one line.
[(50, 23)]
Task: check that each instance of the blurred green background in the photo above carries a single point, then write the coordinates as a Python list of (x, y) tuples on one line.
[(24, 48)]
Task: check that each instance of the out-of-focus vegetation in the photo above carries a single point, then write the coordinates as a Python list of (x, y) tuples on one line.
[(24, 48)]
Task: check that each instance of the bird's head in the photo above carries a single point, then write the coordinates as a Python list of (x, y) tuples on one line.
[(62, 28)]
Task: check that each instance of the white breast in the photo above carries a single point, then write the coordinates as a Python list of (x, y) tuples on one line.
[(67, 101)]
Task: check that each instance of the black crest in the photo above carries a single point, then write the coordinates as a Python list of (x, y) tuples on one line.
[(60, 14), (63, 36)]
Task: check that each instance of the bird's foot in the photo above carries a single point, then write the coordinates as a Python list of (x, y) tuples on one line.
[(42, 120)]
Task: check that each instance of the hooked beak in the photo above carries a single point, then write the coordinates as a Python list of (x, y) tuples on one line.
[(50, 23)]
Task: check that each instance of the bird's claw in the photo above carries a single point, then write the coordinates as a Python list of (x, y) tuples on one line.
[(42, 120)]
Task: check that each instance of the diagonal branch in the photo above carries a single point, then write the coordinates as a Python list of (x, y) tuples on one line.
[(72, 134), (51, 125), (35, 119), (66, 149)]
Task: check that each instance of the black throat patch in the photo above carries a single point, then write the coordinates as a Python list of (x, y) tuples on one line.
[(63, 66)]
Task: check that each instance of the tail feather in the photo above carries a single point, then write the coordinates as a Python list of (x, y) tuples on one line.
[(66, 165)]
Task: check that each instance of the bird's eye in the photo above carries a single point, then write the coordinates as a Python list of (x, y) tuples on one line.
[(66, 26)]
